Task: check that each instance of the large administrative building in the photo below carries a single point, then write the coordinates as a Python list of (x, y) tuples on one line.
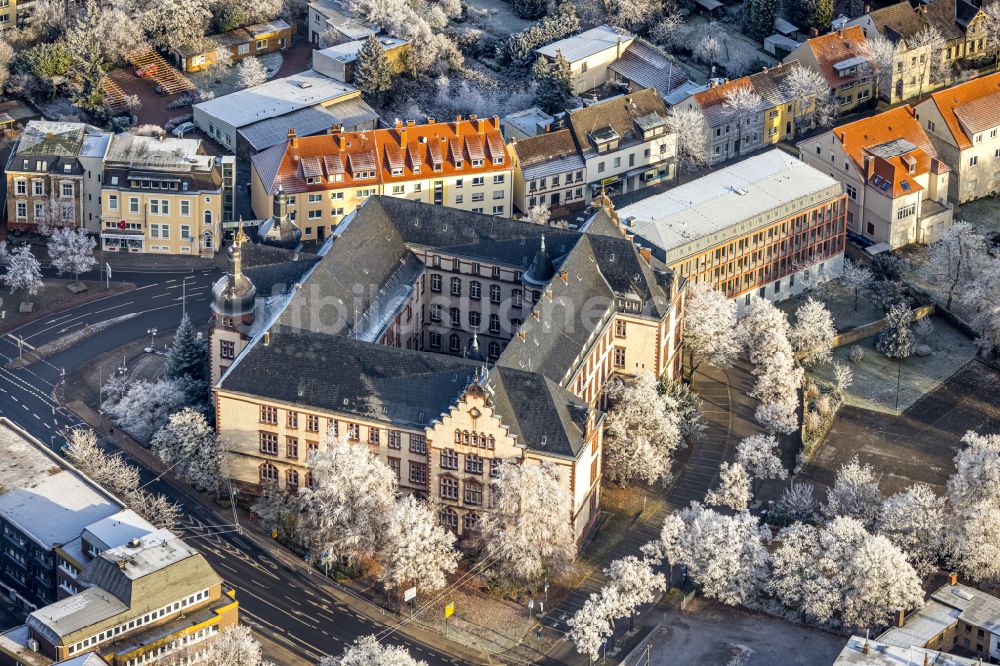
[(768, 225), (460, 341)]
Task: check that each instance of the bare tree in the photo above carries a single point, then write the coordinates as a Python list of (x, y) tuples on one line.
[(991, 26), (879, 54), (811, 95), (931, 63), (692, 136), (742, 104)]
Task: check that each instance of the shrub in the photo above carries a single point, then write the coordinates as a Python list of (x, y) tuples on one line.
[(824, 406), (811, 391), (923, 351), (857, 354), (812, 421)]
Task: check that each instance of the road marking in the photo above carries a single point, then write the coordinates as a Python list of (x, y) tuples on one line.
[(148, 286)]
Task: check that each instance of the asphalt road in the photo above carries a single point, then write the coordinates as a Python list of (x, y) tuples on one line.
[(287, 602)]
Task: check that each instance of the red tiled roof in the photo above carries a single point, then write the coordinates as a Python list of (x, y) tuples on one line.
[(961, 98), (863, 137), (835, 47), (413, 149)]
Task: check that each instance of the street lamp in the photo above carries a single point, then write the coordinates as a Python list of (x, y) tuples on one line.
[(152, 338)]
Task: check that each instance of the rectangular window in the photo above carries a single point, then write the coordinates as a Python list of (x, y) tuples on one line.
[(449, 459), (620, 328), (112, 202), (39, 187), (394, 466), (395, 439), (269, 414), (418, 473), (418, 444), (473, 463), (292, 420), (269, 443), (373, 436), (436, 283), (227, 349), (292, 447), (456, 286), (974, 160), (312, 423), (449, 488), (619, 357), (67, 189), (354, 432)]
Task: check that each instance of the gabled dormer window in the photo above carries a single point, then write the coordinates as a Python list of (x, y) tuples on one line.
[(498, 160), (314, 180), (398, 171), (477, 163)]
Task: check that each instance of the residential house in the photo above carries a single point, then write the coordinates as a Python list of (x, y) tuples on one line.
[(460, 164), (897, 188), (251, 120), (590, 54), (459, 342), (963, 125), (780, 115), (252, 40), (340, 60), (916, 70), (768, 225), (163, 195), (837, 56), (44, 503), (152, 597), (329, 24), (862, 651), (548, 171), (625, 142), (956, 617), (53, 174)]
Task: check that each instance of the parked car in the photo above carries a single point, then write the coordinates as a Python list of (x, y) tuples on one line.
[(146, 70), (183, 128)]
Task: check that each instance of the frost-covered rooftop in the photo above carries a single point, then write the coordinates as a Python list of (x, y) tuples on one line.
[(587, 43)]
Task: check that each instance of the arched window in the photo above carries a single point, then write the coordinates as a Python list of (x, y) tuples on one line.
[(448, 518), (309, 480), (465, 437), (292, 479), (470, 522), (482, 441), (458, 436), (493, 442), (268, 473), (208, 217)]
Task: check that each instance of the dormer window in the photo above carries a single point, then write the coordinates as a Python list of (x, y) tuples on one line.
[(477, 163), (498, 160), (398, 171), (314, 180), (67, 168)]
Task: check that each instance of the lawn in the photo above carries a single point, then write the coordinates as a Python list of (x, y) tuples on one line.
[(875, 378), (984, 214), (840, 302)]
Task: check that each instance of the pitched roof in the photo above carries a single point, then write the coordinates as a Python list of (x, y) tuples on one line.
[(965, 12), (546, 154), (836, 47), (893, 138), (618, 114), (769, 83), (380, 150), (899, 21), (956, 105), (649, 67)]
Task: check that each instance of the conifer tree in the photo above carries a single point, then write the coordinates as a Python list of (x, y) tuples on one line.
[(554, 81), (373, 76), (188, 354), (758, 17)]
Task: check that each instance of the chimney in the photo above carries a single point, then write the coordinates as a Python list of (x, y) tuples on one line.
[(646, 253), (867, 649), (764, 69), (267, 338), (868, 8), (410, 123), (341, 140), (398, 123), (458, 122), (430, 120), (926, 660), (292, 138), (843, 136), (48, 136), (618, 48), (481, 125), (564, 276), (953, 579), (900, 617), (869, 166), (813, 32)]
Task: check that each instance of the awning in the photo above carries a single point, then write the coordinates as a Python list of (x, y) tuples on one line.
[(123, 235)]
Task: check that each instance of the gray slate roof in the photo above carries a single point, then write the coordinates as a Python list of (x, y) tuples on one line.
[(311, 120)]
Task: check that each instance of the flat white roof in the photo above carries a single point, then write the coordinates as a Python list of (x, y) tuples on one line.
[(274, 98), (587, 43), (723, 198), (119, 529), (348, 51), (42, 495)]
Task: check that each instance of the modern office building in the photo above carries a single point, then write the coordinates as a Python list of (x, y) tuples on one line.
[(768, 225)]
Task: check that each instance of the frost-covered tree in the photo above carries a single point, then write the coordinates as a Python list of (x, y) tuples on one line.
[(764, 330), (345, 510), (797, 501), (109, 470), (252, 73), (708, 50), (733, 489), (528, 528), (843, 377), (758, 18), (539, 214), (417, 549), (424, 23), (956, 259), (879, 55), (725, 554), (592, 624), (636, 584), (146, 406), (188, 355), (189, 446), (811, 94), (691, 129), (173, 24), (929, 38), (235, 646), (367, 651), (991, 26), (777, 417), (72, 251), (896, 339), (742, 105), (530, 9), (854, 493), (155, 508), (231, 14), (667, 29), (278, 510), (633, 15), (120, 34), (915, 520), (709, 327), (842, 575), (553, 83), (856, 277), (759, 455), (519, 49), (373, 75), (24, 273), (974, 496), (686, 405), (641, 431), (812, 335)]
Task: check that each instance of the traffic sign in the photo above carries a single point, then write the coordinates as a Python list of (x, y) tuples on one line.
[(449, 610), (410, 594)]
